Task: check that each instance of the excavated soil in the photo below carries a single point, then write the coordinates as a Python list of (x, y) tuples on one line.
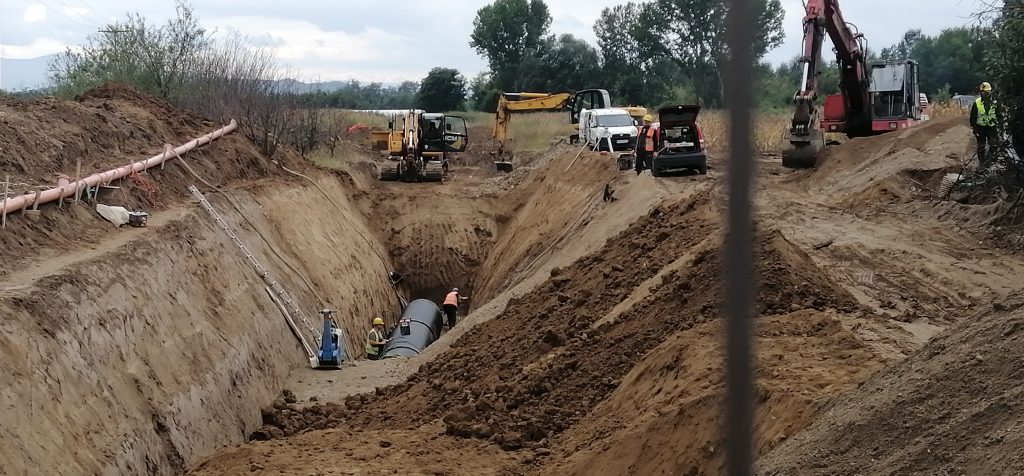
[(953, 407), (593, 344)]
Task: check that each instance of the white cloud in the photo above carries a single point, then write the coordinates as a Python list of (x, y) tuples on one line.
[(299, 40), (34, 13), (38, 47)]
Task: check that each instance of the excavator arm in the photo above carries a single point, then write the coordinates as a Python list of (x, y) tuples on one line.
[(806, 139), (510, 102)]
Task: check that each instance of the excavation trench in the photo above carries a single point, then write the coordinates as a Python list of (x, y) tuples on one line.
[(143, 350)]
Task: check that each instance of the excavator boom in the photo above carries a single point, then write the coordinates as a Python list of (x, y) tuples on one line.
[(806, 139), (510, 102), (872, 99)]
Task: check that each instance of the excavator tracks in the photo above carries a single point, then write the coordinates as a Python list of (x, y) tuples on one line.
[(433, 172), (390, 171)]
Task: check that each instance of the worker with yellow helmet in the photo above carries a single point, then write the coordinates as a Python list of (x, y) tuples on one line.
[(375, 340), (647, 143), (986, 116)]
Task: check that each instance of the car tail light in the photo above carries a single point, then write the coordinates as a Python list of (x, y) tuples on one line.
[(700, 137)]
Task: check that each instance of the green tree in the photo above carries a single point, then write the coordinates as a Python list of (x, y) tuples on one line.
[(444, 89), (905, 48), (691, 33), (155, 59), (954, 61), (632, 75), (1006, 58), (508, 31), (483, 95), (565, 64)]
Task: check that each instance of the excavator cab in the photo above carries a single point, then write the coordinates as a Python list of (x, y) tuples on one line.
[(895, 95), (456, 134), (587, 99)]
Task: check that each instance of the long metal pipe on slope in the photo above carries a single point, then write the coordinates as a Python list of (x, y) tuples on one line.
[(66, 188)]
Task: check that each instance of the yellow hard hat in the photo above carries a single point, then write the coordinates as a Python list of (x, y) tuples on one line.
[(378, 321), (986, 87), (648, 118)]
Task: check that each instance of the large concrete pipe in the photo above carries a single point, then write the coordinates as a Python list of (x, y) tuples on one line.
[(67, 188), (419, 326)]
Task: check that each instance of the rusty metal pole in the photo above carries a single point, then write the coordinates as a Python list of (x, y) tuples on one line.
[(78, 176), (740, 292), (7, 185)]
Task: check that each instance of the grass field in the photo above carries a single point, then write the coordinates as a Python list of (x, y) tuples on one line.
[(536, 130)]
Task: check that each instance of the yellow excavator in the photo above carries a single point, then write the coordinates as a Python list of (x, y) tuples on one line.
[(520, 102), (418, 148)]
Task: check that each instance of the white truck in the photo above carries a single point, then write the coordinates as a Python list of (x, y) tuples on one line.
[(609, 129)]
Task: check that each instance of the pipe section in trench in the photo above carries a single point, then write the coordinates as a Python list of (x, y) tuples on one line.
[(419, 326)]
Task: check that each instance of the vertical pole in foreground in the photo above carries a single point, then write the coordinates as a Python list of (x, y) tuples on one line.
[(739, 254)]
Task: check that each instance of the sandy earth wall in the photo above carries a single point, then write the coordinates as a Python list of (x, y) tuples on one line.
[(143, 355)]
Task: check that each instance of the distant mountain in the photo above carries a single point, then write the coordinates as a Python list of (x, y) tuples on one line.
[(299, 87), (23, 74), (26, 74)]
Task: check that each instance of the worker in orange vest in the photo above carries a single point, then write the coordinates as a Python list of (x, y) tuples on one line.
[(646, 144), (451, 306)]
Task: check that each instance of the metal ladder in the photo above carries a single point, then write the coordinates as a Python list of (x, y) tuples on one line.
[(288, 306)]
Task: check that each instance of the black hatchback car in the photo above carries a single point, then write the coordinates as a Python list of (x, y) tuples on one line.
[(681, 143)]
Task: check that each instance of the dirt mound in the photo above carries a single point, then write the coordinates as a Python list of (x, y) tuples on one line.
[(889, 168), (422, 452), (951, 408), (665, 417), (106, 127), (538, 368)]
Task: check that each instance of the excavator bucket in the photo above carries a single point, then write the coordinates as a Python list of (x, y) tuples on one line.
[(502, 160), (803, 153)]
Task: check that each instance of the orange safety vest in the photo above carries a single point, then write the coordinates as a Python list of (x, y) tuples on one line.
[(452, 298), (649, 141)]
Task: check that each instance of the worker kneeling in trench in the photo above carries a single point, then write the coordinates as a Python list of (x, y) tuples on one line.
[(375, 341)]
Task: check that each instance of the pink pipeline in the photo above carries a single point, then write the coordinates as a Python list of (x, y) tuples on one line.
[(66, 188)]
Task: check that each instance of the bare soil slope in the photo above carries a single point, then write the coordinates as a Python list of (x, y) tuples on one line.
[(951, 408), (138, 350)]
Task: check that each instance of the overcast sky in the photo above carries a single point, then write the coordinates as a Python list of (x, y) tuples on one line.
[(395, 40)]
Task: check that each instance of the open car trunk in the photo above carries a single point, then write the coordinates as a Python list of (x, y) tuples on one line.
[(679, 129)]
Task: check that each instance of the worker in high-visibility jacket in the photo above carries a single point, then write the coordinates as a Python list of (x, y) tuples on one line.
[(451, 306), (375, 340), (646, 144), (986, 116)]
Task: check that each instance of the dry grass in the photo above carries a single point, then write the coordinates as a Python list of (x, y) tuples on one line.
[(537, 130), (944, 110), (769, 130)]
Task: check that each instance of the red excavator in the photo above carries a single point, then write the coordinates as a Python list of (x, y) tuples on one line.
[(874, 98)]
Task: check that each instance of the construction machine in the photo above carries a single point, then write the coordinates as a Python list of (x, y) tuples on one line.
[(509, 102), (331, 354), (874, 98), (418, 148)]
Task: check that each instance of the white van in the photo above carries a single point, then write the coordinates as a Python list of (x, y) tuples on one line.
[(608, 127)]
